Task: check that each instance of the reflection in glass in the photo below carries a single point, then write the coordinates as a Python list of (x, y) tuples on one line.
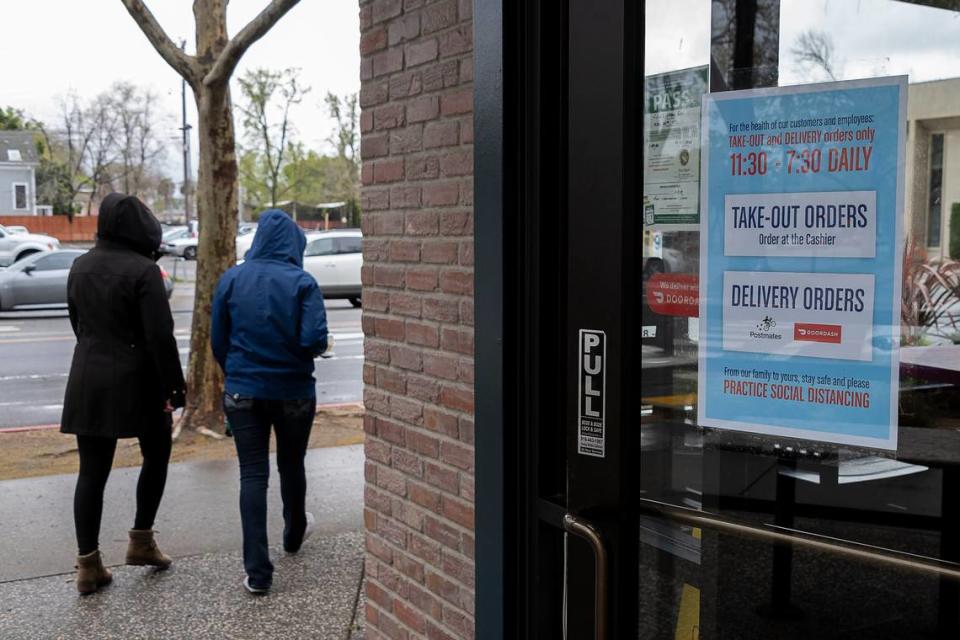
[(700, 584), (935, 201)]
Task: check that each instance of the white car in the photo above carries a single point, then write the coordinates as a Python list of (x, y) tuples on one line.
[(245, 234), (14, 246), (182, 243), (174, 232), (334, 259)]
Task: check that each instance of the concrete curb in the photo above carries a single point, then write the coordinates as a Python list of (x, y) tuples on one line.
[(47, 427), (38, 427)]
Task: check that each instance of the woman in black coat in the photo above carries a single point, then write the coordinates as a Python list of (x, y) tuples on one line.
[(125, 379)]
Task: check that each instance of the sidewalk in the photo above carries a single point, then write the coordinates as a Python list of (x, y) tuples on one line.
[(315, 593)]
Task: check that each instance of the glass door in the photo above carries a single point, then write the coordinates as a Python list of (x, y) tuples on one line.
[(798, 307)]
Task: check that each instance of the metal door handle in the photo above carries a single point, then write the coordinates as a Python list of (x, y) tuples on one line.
[(583, 529)]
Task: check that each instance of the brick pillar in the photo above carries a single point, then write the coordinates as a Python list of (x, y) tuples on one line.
[(417, 198)]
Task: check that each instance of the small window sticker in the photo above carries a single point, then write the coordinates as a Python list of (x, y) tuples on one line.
[(591, 426)]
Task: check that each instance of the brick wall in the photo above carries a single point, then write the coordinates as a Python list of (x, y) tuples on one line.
[(417, 198)]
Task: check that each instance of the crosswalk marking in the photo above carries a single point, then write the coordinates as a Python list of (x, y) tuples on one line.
[(32, 376)]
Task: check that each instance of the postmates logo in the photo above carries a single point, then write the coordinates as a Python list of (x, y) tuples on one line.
[(809, 332), (766, 324), (766, 330)]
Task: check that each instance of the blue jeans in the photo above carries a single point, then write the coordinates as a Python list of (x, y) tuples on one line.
[(250, 420)]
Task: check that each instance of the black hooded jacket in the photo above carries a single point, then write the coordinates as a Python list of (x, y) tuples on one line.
[(126, 364)]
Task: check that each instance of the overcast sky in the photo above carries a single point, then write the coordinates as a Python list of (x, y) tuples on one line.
[(871, 37), (51, 47)]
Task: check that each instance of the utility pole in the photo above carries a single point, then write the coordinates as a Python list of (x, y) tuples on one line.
[(186, 145)]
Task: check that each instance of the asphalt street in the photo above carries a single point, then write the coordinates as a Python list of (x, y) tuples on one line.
[(36, 348)]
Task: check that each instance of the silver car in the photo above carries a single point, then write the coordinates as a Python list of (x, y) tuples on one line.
[(40, 280)]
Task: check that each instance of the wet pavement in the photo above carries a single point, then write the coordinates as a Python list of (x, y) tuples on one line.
[(314, 595), (199, 512), (315, 592)]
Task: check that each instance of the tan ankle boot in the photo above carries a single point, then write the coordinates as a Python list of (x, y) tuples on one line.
[(91, 574), (143, 550)]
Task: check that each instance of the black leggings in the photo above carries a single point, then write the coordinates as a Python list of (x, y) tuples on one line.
[(96, 459)]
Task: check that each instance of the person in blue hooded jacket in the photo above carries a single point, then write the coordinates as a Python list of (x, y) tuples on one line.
[(269, 323)]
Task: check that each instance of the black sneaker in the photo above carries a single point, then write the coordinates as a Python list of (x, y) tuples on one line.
[(257, 591), (307, 532)]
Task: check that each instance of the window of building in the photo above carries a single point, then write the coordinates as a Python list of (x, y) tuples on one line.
[(791, 48), (20, 196), (13, 155), (935, 197)]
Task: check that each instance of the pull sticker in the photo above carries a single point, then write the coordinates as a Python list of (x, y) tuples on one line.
[(591, 428)]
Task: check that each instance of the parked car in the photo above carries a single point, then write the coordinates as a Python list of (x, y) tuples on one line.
[(173, 232), (245, 234), (16, 246), (334, 259), (182, 243), (40, 279)]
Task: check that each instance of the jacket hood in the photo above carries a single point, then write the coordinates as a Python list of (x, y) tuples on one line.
[(278, 238), (127, 221)]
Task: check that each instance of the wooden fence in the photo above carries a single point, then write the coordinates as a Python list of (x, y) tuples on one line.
[(82, 229)]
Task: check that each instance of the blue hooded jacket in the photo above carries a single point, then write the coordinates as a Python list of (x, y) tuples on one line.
[(269, 320)]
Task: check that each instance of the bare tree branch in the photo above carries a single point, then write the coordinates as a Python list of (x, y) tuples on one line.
[(181, 62), (815, 48), (238, 45)]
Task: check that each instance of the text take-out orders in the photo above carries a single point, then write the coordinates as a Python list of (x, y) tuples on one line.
[(800, 265)]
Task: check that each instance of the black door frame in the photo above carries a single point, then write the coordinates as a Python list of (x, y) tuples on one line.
[(494, 579), (526, 106), (604, 183)]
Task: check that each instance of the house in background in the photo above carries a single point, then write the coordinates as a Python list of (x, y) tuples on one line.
[(18, 166), (933, 162)]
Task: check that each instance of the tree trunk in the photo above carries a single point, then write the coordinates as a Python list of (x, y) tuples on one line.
[(216, 208), (216, 251), (208, 73)]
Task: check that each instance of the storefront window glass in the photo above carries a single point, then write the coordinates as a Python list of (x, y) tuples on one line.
[(815, 235)]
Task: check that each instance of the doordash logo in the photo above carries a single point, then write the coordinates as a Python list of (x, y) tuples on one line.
[(809, 332), (674, 294)]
